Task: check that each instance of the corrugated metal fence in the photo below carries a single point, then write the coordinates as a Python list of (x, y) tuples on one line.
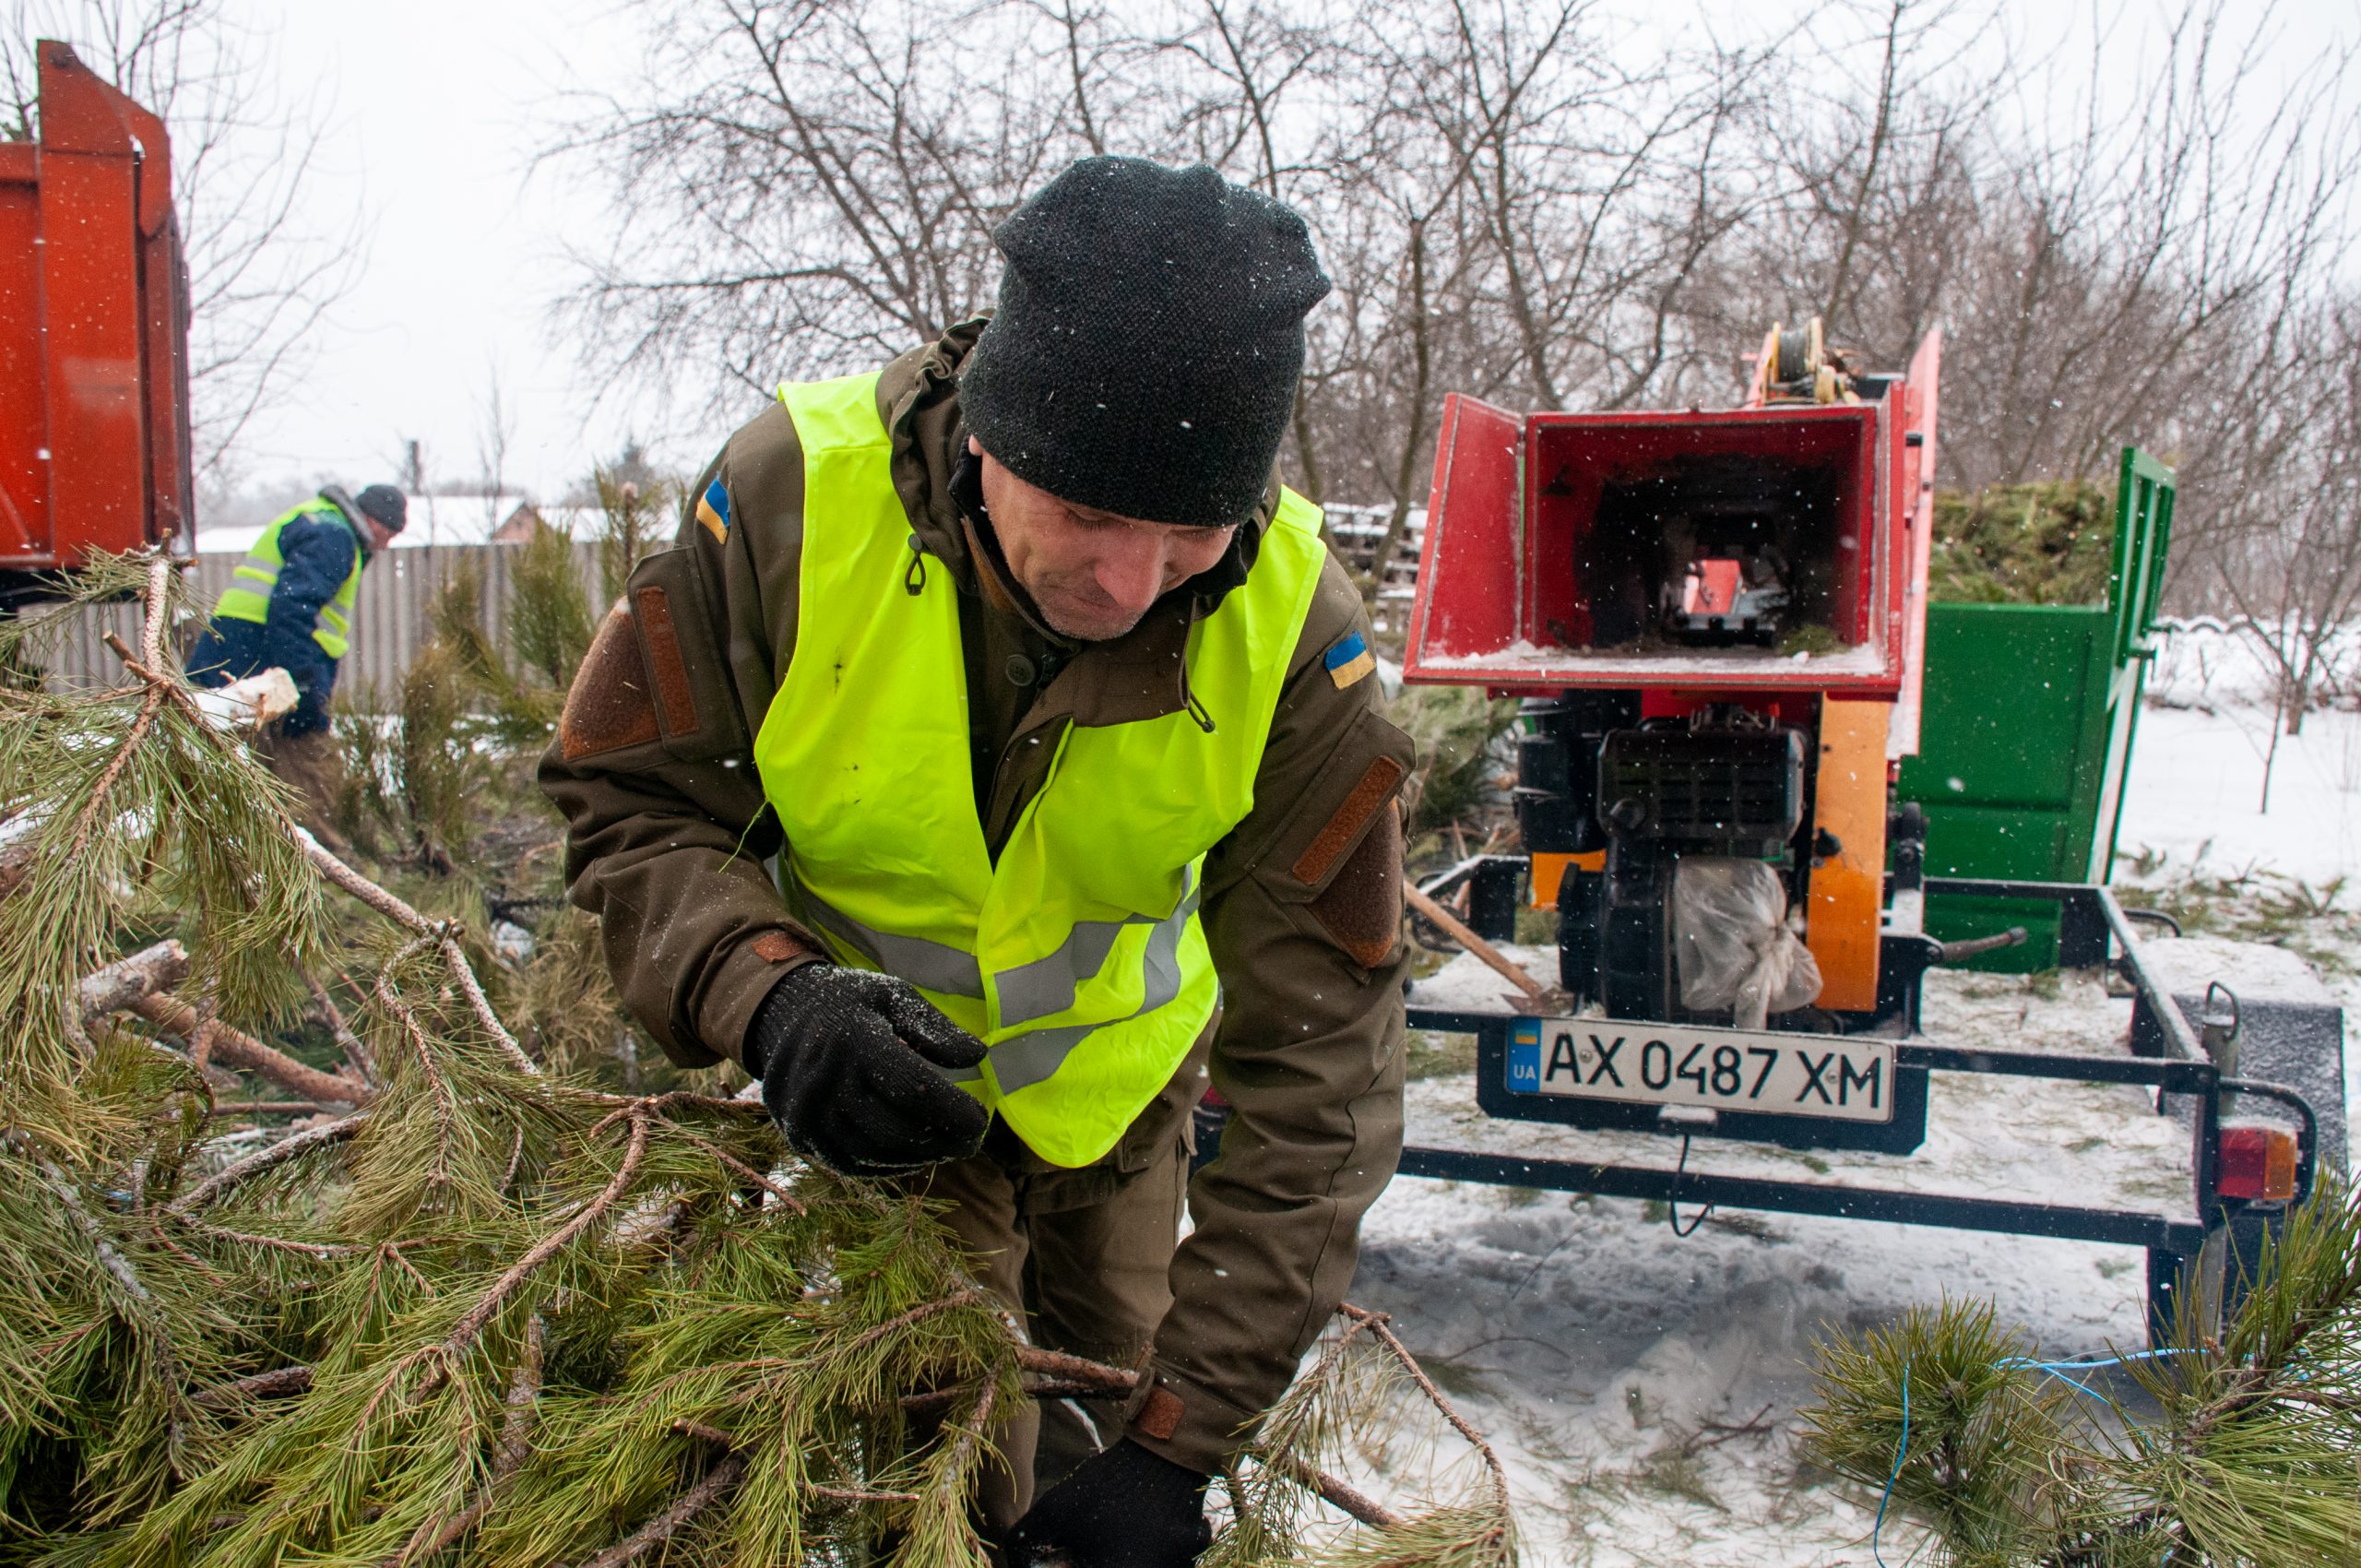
[(391, 618)]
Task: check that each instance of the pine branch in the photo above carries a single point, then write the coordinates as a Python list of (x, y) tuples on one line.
[(1100, 1378), (515, 1444), (356, 1053), (233, 1048), (261, 1385), (464, 1332), (729, 1444), (442, 934), (1379, 1325), (716, 1483), (268, 1243), (1346, 1498), (232, 1177)]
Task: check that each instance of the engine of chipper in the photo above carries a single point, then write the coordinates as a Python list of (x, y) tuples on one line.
[(1715, 622)]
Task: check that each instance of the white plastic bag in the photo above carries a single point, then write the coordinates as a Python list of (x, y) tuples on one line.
[(1733, 947)]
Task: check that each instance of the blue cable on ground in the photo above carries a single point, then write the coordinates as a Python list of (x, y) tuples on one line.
[(2054, 1369), (1899, 1454)]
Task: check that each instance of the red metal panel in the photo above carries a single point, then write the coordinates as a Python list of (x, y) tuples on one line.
[(1470, 606), (91, 298), (24, 417), (1915, 500), (1511, 612), (93, 391)]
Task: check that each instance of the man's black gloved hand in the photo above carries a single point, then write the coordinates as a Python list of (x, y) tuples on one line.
[(843, 1055), (1124, 1508)]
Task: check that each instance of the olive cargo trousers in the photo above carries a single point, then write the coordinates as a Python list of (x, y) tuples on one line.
[(1084, 1259)]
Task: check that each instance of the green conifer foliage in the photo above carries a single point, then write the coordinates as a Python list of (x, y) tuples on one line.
[(2236, 1450), (480, 1310)]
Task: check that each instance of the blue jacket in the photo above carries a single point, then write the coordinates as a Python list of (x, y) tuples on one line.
[(318, 554)]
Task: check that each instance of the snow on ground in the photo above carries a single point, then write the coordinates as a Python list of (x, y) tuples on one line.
[(2196, 795), (1620, 1370)]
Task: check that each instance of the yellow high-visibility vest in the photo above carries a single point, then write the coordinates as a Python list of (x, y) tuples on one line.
[(1078, 958), (248, 596)]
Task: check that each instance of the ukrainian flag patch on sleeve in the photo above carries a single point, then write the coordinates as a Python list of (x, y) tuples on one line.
[(713, 511), (1350, 660)]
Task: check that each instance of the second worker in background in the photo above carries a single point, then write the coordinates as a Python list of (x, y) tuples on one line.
[(290, 604)]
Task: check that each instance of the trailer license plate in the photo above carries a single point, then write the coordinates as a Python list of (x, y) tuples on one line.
[(1843, 1077)]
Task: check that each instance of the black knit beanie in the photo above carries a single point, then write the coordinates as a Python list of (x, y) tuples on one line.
[(1144, 356), (388, 507)]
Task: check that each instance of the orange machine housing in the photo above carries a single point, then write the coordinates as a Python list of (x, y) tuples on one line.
[(94, 440), (1522, 550)]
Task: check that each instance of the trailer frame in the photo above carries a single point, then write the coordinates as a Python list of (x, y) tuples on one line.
[(2094, 930)]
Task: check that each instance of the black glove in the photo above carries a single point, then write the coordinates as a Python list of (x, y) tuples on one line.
[(843, 1055), (1124, 1508)]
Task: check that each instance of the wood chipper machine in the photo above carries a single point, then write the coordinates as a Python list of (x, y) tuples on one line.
[(94, 433), (1716, 623)]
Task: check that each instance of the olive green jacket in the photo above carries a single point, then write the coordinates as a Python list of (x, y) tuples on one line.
[(669, 834)]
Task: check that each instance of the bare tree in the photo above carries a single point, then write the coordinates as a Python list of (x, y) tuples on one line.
[(818, 194), (267, 258), (495, 433), (2287, 550), (1516, 202)]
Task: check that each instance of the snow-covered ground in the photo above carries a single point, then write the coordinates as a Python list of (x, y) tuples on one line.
[(1643, 1388)]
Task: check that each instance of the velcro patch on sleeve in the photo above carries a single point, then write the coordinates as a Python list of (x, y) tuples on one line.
[(777, 947), (713, 511), (1377, 785), (1160, 1417), (609, 707), (664, 661), (1362, 909), (1350, 660)]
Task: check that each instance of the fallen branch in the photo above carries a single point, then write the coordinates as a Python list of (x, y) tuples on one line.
[(1712, 1434), (120, 985), (665, 1525), (232, 1048), (1547, 999), (232, 1177), (261, 1385), (444, 934)]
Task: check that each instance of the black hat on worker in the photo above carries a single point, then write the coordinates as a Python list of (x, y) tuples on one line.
[(383, 506), (1145, 355)]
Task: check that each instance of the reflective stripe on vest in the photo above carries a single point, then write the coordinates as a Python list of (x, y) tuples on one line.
[(1078, 957), (248, 596)]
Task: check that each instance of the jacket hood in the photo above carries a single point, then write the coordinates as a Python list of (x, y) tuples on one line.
[(350, 509)]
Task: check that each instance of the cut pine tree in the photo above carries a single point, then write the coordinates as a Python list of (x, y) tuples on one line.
[(493, 1312)]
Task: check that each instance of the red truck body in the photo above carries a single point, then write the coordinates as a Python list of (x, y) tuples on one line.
[(94, 436)]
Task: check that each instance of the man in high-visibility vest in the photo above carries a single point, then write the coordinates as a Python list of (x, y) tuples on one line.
[(289, 603), (997, 760)]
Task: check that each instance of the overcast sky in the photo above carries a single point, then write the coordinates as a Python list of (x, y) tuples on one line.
[(436, 109)]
